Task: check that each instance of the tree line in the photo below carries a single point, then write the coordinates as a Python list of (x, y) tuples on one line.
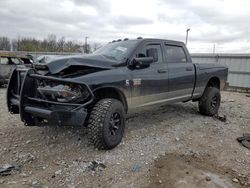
[(49, 44)]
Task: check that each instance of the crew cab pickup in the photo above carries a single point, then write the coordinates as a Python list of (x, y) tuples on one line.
[(98, 90)]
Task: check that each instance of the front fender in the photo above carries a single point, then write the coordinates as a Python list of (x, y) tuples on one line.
[(123, 94)]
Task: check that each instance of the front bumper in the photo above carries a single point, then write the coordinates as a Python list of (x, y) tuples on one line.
[(22, 99), (56, 117)]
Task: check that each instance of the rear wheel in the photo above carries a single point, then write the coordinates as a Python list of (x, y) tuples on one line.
[(106, 123), (209, 103)]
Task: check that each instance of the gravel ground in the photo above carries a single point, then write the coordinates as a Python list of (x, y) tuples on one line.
[(163, 146)]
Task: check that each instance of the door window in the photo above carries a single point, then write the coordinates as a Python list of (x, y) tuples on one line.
[(152, 50), (175, 54)]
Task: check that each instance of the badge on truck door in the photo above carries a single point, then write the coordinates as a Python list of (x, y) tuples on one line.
[(137, 82)]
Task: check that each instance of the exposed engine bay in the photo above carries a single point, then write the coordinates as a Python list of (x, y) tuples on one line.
[(68, 72), (62, 92)]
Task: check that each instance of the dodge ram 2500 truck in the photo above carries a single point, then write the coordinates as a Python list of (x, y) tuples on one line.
[(97, 90)]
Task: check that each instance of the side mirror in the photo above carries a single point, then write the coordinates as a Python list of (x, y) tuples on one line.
[(142, 62)]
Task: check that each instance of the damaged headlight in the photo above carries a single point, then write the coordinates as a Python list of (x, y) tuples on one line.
[(64, 93)]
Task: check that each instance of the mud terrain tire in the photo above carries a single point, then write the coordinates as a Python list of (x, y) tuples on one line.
[(209, 103), (106, 123)]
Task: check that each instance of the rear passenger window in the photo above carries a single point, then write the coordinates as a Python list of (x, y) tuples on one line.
[(175, 54)]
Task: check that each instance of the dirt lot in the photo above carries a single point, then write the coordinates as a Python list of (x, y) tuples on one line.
[(164, 146)]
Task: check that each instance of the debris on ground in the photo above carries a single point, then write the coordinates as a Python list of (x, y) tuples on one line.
[(36, 184), (28, 141), (208, 178), (136, 168), (25, 158), (231, 100), (235, 180), (58, 172), (94, 165), (82, 167), (221, 118), (245, 140), (248, 95), (7, 169)]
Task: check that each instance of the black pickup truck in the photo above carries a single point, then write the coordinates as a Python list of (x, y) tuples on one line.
[(97, 90)]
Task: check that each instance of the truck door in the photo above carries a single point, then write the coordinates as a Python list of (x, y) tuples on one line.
[(149, 85), (181, 72)]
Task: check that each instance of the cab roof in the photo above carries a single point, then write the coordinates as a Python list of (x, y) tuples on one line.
[(173, 42)]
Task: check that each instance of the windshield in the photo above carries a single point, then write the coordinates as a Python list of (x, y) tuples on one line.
[(118, 51)]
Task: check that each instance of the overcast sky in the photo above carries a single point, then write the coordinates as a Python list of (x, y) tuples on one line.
[(225, 23)]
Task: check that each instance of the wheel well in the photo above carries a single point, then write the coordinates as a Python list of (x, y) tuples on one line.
[(214, 82), (110, 92)]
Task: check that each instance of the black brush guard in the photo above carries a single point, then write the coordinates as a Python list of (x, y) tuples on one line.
[(21, 99)]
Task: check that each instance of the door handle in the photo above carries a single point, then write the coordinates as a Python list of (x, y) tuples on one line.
[(162, 71), (189, 69)]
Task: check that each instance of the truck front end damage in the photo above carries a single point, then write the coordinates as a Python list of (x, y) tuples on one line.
[(47, 100)]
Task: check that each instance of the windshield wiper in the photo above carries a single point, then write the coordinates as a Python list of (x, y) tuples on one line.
[(109, 57), (122, 63)]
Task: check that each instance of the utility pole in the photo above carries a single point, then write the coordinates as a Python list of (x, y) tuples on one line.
[(187, 35), (86, 45), (214, 49)]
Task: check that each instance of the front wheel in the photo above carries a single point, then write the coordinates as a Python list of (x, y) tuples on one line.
[(106, 123), (209, 103)]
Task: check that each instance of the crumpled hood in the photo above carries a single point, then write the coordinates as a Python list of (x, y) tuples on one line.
[(59, 64)]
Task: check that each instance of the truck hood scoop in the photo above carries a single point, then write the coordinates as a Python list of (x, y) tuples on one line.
[(92, 61)]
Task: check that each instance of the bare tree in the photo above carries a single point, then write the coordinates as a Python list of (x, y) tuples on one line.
[(52, 42), (5, 44), (96, 46), (49, 44), (14, 45), (61, 44)]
